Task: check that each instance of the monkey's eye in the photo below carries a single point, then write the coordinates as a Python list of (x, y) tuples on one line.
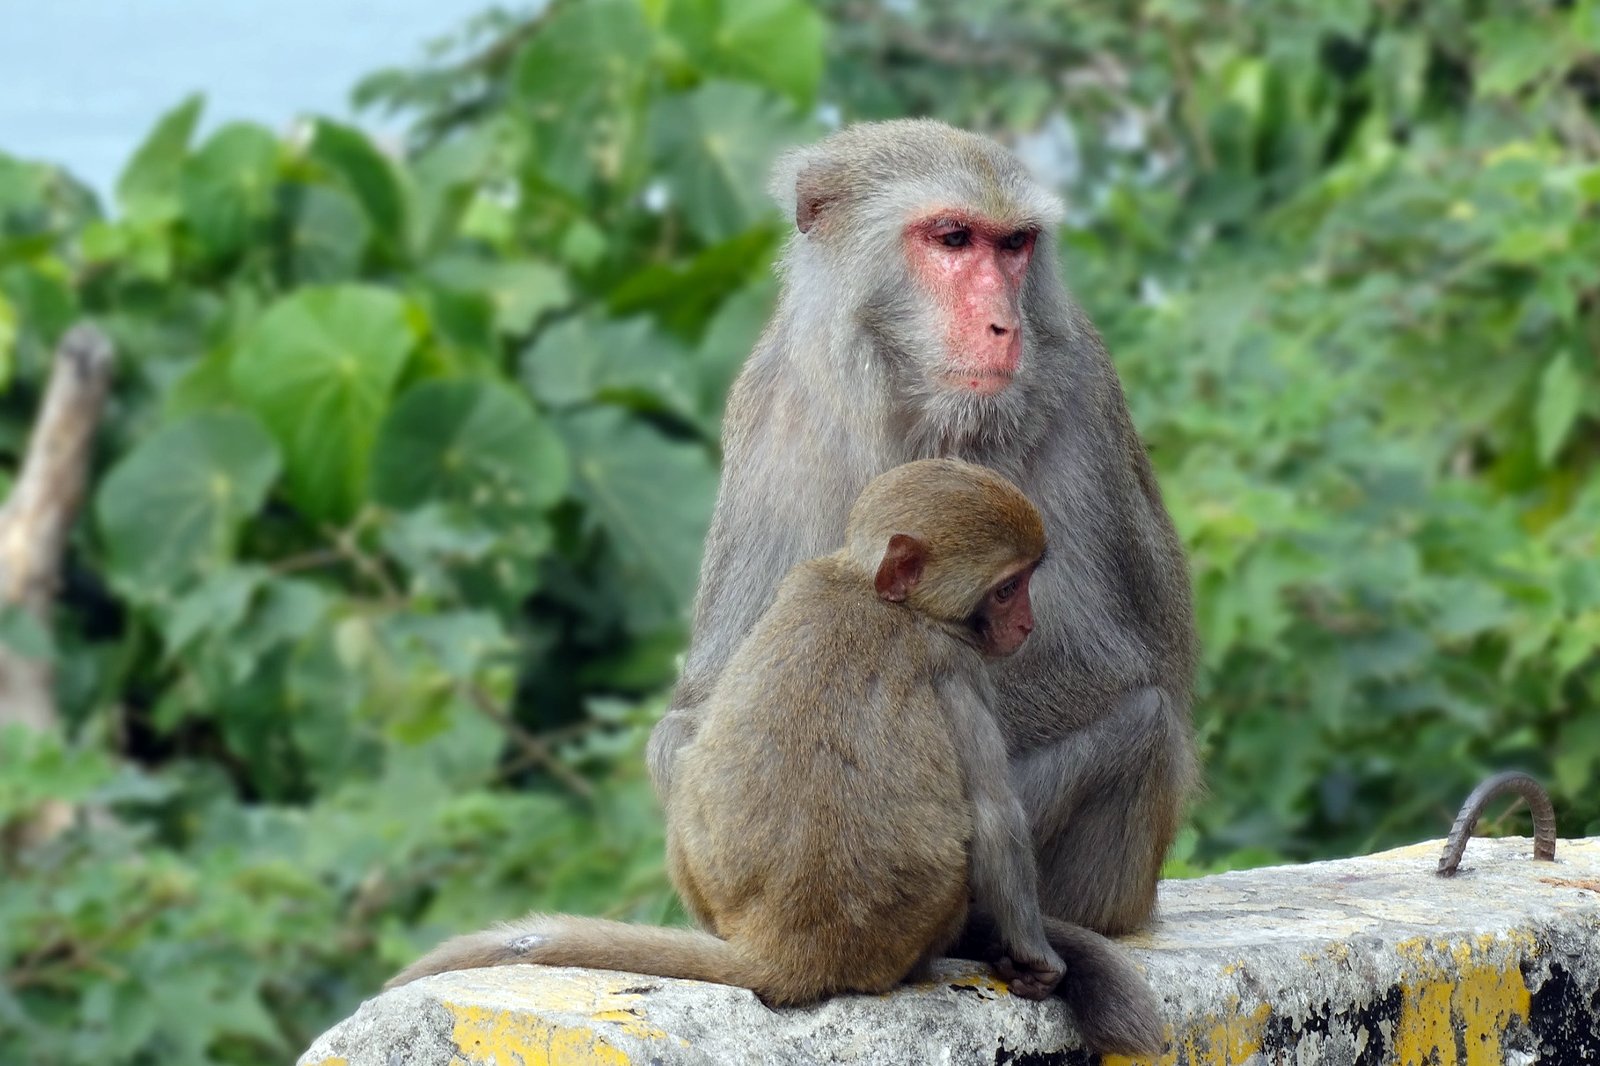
[(1006, 591), (957, 238), (1016, 241)]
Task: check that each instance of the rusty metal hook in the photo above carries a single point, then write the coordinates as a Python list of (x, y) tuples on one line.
[(1544, 818)]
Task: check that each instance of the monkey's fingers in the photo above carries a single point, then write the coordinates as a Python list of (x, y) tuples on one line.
[(1035, 985), (1034, 981)]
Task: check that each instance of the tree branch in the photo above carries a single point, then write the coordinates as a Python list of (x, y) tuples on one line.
[(34, 525)]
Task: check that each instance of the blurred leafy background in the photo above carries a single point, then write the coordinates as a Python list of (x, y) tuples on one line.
[(398, 506)]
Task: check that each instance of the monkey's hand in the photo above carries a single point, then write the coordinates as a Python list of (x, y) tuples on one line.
[(1031, 976)]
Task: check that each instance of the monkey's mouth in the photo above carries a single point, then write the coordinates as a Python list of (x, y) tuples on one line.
[(979, 382)]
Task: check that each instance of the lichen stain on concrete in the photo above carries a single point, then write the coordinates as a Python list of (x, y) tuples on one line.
[(1454, 1014), (484, 1036)]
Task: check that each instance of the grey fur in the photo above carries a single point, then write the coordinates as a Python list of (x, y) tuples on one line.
[(1096, 706)]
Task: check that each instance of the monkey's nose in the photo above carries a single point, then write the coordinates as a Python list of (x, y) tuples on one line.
[(997, 330)]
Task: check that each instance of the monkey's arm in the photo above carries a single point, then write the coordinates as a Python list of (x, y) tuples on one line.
[(1004, 876)]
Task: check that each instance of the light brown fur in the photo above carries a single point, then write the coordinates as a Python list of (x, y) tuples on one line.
[(847, 775)]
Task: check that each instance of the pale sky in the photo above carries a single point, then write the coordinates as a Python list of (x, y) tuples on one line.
[(82, 81)]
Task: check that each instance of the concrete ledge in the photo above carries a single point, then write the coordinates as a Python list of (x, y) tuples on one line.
[(1359, 961)]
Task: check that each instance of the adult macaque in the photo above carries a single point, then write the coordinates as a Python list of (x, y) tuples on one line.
[(921, 315), (847, 788)]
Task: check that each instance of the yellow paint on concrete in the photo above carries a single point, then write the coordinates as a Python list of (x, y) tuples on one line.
[(628, 1020), (1425, 1024), (1468, 1001), (1233, 1039), (524, 1022), (593, 997), (1225, 1041), (333, 1060), (1338, 951), (1471, 988), (1426, 849), (979, 979), (488, 1037)]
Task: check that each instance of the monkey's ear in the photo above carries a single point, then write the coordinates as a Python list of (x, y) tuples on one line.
[(814, 190), (901, 568)]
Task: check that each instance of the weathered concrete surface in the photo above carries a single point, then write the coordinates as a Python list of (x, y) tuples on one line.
[(1360, 961)]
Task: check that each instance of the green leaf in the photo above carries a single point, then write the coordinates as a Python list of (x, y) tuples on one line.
[(1586, 179), (578, 80), (318, 369), (775, 42), (171, 509), (326, 235), (148, 187), (1467, 608), (228, 188), (580, 360), (102, 242), (443, 178), (425, 537), (215, 604), (472, 442), (459, 642), (1577, 753), (470, 554), (717, 144), (1516, 51), (1583, 24), (24, 198), (37, 765), (232, 619), (683, 294), (520, 291), (373, 179), (651, 496), (206, 385), (1561, 397)]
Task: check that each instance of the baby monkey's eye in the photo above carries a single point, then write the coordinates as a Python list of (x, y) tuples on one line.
[(1006, 591), (1016, 241), (957, 238)]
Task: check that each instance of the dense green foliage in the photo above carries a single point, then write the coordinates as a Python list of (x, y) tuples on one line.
[(399, 503)]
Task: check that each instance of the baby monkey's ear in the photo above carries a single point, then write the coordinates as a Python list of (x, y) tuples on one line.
[(901, 568)]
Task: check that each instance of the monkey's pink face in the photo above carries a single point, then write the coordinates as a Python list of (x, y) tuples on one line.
[(1006, 616), (973, 270)]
